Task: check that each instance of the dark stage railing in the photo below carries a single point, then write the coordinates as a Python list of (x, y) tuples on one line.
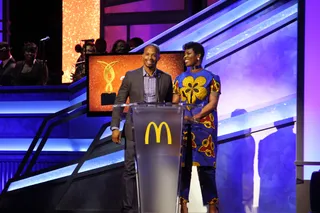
[(45, 129), (49, 123), (97, 142)]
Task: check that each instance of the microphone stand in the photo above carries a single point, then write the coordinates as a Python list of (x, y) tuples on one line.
[(43, 55)]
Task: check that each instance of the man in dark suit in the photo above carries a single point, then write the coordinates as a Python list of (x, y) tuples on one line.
[(7, 65), (146, 84)]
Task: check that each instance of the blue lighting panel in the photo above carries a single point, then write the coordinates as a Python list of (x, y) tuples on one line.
[(41, 178), (53, 144), (91, 164), (79, 97), (258, 118), (214, 51), (201, 31), (34, 107), (61, 145), (102, 161)]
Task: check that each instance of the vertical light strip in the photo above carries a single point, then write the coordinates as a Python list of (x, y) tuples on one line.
[(81, 20), (259, 136), (311, 83)]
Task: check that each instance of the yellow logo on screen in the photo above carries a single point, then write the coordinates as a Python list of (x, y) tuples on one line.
[(157, 130), (108, 74)]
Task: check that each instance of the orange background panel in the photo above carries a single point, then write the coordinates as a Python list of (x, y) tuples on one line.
[(171, 63), (81, 20)]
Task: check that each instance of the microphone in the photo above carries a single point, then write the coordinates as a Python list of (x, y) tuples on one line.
[(45, 39)]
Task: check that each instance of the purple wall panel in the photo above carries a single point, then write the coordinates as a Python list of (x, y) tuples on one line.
[(146, 6), (147, 32)]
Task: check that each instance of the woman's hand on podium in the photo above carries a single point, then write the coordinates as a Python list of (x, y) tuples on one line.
[(190, 120), (116, 136)]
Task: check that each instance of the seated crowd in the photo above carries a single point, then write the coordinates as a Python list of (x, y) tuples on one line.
[(32, 71)]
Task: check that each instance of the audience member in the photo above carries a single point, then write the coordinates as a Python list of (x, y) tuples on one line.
[(135, 42), (101, 46), (7, 65), (120, 47), (31, 71)]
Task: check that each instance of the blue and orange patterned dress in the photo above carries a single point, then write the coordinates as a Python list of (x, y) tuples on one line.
[(195, 88)]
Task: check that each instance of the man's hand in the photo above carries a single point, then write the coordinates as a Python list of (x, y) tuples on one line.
[(116, 136)]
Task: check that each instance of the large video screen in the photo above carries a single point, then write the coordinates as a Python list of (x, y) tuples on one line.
[(106, 72)]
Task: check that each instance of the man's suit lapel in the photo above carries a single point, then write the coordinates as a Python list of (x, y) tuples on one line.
[(5, 70), (159, 86)]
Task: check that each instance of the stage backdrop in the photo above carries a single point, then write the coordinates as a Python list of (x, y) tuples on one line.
[(106, 73)]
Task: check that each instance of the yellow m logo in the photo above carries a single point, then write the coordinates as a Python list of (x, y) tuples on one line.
[(157, 130)]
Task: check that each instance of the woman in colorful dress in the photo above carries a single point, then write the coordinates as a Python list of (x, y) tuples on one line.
[(199, 147)]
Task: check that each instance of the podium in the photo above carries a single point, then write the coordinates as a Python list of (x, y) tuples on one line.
[(157, 134)]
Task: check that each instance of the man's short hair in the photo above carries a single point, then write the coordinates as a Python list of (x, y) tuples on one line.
[(196, 47), (153, 45), (4, 46)]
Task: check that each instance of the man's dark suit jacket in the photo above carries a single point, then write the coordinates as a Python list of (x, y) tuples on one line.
[(7, 73), (132, 87)]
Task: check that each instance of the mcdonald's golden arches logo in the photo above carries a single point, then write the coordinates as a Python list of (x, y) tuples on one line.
[(157, 130)]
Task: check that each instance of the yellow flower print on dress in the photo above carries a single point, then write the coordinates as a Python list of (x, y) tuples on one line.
[(215, 86), (208, 121), (207, 147), (176, 87), (193, 89)]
